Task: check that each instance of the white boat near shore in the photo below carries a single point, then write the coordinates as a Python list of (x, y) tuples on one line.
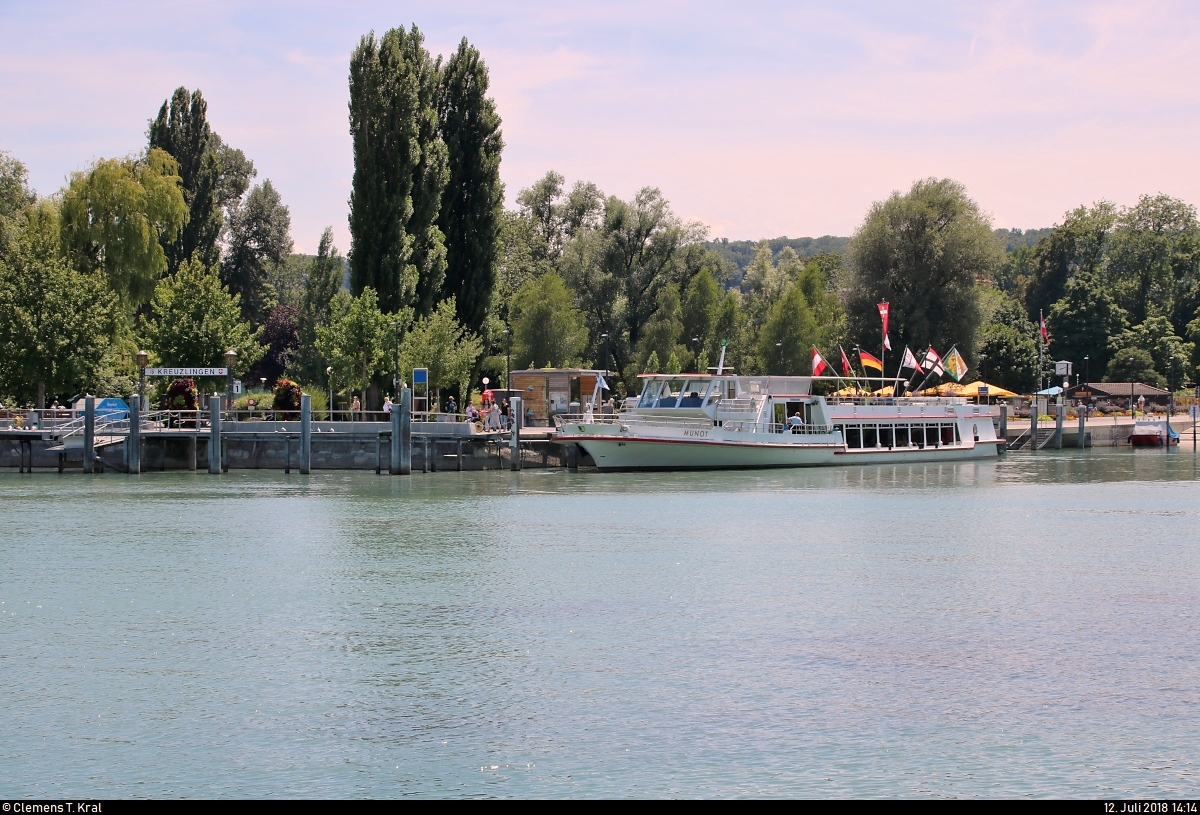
[(725, 421)]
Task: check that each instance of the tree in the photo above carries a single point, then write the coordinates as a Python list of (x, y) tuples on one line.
[(195, 320), (701, 301), (400, 171), (473, 199), (321, 285), (1154, 260), (15, 194), (790, 322), (728, 329), (1082, 322), (661, 334), (924, 253), (181, 129), (56, 324), (259, 240), (356, 339), (115, 218), (547, 328), (280, 337), (1012, 356), (1079, 244), (1156, 336), (442, 344), (1133, 365)]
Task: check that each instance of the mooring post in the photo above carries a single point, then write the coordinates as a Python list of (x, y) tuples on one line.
[(458, 453), (214, 435), (405, 431), (573, 458), (305, 434), (89, 434), (425, 455), (1004, 423), (1060, 412), (394, 448), (1033, 424), (135, 434), (1082, 411), (516, 410)]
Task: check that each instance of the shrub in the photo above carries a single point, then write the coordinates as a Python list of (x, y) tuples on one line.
[(287, 398), (181, 395)]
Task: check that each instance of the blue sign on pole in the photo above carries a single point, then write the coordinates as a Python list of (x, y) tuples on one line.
[(420, 376)]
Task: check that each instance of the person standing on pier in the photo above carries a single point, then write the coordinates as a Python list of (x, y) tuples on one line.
[(355, 407)]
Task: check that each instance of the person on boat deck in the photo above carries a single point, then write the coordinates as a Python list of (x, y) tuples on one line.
[(795, 421)]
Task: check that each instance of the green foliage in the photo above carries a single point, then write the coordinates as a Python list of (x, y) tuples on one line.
[(923, 252), (662, 333), (673, 365), (473, 200), (1077, 245), (1133, 365), (213, 176), (15, 194), (1012, 356), (652, 364), (736, 256), (791, 323), (114, 217), (547, 329), (728, 328), (356, 339), (1082, 321), (442, 344), (1156, 336), (286, 396), (701, 304), (1154, 261), (400, 172), (57, 325), (321, 285), (259, 242), (181, 395), (196, 320)]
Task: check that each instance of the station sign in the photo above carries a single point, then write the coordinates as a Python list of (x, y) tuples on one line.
[(187, 372)]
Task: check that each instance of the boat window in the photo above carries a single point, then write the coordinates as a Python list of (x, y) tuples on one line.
[(931, 435), (885, 436), (854, 436), (948, 433), (649, 391), (902, 436), (870, 436), (730, 389)]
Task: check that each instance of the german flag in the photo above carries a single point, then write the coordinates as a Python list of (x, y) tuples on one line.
[(869, 361)]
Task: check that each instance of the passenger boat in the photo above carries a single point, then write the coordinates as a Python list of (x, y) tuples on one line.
[(719, 421)]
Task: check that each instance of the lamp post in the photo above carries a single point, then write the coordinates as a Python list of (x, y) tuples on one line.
[(983, 377), (396, 370), (779, 345), (230, 358), (605, 365), (508, 359), (1132, 415), (696, 354), (143, 359), (1171, 387), (329, 380)]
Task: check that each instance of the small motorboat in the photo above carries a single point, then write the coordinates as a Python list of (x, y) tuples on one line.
[(1153, 434)]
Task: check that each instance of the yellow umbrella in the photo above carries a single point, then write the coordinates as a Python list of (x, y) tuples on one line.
[(994, 391), (944, 389)]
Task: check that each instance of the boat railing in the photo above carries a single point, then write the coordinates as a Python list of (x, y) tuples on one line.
[(630, 418), (793, 429), (891, 400)]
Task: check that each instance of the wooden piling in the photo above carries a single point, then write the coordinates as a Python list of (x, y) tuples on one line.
[(89, 435), (214, 435)]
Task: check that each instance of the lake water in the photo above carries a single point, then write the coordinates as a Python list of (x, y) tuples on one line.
[(1027, 627)]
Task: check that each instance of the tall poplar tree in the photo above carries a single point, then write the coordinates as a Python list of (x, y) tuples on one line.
[(181, 129), (400, 171), (473, 201)]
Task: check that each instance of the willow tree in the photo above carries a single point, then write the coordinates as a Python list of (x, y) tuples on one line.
[(400, 171), (924, 252)]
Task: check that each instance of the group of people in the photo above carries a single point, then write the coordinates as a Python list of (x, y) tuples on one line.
[(491, 415)]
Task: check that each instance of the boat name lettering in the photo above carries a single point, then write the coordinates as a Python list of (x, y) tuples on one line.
[(700, 433)]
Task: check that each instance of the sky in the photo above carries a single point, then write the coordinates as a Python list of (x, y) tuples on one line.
[(759, 119)]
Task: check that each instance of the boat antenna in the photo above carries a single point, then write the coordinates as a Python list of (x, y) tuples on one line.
[(721, 362)]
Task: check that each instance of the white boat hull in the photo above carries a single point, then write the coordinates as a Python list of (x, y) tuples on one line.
[(676, 454)]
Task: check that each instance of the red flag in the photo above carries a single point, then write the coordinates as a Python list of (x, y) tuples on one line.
[(845, 362), (883, 315), (1042, 327), (818, 362)]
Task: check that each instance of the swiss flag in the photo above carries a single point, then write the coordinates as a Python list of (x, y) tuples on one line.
[(1042, 327), (883, 315)]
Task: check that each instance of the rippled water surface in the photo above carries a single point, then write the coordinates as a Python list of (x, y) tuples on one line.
[(1020, 628)]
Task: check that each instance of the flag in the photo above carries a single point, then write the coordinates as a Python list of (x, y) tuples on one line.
[(883, 315), (600, 381), (909, 361), (1042, 327), (869, 361), (845, 363), (933, 362), (819, 363), (887, 342), (956, 366)]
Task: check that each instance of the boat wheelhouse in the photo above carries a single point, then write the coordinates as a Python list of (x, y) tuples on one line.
[(717, 421)]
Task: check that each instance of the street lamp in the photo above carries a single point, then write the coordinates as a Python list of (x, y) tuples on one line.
[(983, 376), (605, 365), (396, 371), (329, 380), (1171, 387), (508, 359), (230, 358), (779, 345), (143, 359), (696, 354), (1132, 415)]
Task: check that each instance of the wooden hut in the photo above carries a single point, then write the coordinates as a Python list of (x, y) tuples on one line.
[(548, 392)]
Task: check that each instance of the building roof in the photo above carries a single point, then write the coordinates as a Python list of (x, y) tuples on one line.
[(1117, 390)]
